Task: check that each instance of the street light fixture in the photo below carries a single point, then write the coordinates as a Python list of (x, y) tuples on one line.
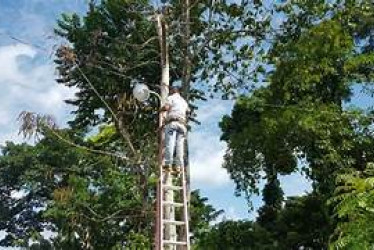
[(142, 92)]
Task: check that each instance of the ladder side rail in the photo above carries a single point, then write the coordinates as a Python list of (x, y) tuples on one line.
[(160, 195), (185, 209)]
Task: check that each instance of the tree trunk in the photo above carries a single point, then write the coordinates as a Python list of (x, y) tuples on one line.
[(186, 84), (186, 77)]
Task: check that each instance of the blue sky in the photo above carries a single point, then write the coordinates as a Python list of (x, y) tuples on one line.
[(27, 82)]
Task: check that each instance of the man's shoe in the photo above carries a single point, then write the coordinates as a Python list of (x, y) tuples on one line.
[(178, 171), (167, 168)]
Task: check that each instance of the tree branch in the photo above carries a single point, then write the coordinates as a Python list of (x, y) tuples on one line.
[(124, 133)]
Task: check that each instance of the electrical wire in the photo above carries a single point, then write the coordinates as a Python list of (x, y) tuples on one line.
[(39, 47), (124, 131)]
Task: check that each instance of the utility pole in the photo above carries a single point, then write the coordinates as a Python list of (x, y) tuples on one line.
[(186, 77), (186, 83), (166, 234), (169, 212)]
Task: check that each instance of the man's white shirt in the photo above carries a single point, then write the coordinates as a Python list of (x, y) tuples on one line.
[(178, 106)]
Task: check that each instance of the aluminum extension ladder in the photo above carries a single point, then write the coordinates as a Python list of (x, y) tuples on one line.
[(174, 231)]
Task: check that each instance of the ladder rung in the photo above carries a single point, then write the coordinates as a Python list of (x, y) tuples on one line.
[(173, 188), (177, 223), (175, 204), (169, 242)]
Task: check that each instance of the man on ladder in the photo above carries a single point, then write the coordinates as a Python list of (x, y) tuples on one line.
[(175, 130), (173, 207)]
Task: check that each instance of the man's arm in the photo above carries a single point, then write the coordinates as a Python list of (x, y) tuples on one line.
[(166, 107)]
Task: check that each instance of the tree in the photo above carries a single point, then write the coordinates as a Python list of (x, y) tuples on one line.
[(236, 235), (301, 115), (302, 83), (106, 52), (304, 222), (202, 214), (312, 61), (86, 200), (353, 204), (89, 201), (114, 46)]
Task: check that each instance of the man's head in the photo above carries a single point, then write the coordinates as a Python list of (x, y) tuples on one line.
[(174, 89)]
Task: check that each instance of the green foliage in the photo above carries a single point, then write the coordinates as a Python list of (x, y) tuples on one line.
[(101, 211), (302, 222), (202, 214), (230, 235), (311, 69), (105, 135), (301, 117), (310, 63), (110, 51), (87, 200), (16, 161), (354, 207), (94, 201), (273, 198)]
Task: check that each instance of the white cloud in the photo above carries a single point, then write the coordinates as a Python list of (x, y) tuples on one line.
[(206, 149), (212, 111), (206, 165), (231, 214), (9, 56), (27, 83), (5, 117)]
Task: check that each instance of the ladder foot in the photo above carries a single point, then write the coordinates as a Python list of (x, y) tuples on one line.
[(173, 215)]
